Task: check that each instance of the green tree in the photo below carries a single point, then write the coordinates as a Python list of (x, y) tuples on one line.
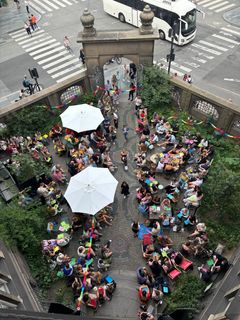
[(186, 294), (24, 167), (156, 91)]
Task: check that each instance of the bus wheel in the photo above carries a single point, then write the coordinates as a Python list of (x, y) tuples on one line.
[(121, 17), (161, 35)]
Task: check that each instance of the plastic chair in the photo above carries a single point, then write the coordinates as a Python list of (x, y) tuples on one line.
[(174, 274), (185, 264)]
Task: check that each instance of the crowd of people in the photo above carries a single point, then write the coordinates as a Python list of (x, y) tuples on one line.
[(170, 168)]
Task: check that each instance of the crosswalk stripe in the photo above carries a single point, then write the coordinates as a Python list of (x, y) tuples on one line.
[(43, 5), (217, 53), (211, 3), (12, 34), (45, 48), (30, 44), (232, 31), (63, 66), (66, 71), (27, 35), (202, 2), (201, 54), (40, 45), (70, 75), (226, 7), (179, 73), (33, 5), (19, 34), (213, 45), (218, 5), (30, 39), (60, 48), (59, 3), (67, 2), (175, 64), (49, 65), (199, 60), (62, 53), (225, 39), (51, 4)]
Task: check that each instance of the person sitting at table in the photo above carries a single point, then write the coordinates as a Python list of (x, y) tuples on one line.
[(156, 199), (84, 252), (170, 167), (148, 251), (196, 182), (104, 217), (68, 270), (165, 206), (144, 294), (76, 287), (146, 199), (141, 192), (220, 263), (102, 295), (79, 268), (164, 241), (160, 166), (194, 199), (140, 159), (90, 300), (183, 214), (155, 265), (155, 229)]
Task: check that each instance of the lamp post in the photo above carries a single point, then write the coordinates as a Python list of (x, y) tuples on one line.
[(171, 55)]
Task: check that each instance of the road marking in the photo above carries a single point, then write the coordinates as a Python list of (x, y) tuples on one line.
[(232, 80), (26, 36), (218, 5), (39, 10), (56, 44), (49, 65), (51, 4), (31, 39), (61, 48), (63, 66), (192, 64), (225, 8), (225, 39), (232, 31), (40, 45), (175, 64), (59, 3), (217, 53), (36, 42), (70, 75), (211, 3), (199, 60), (62, 53), (66, 71), (67, 2), (201, 54), (43, 5), (213, 45), (202, 2), (12, 34)]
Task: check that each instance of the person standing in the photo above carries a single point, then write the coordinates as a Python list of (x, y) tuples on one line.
[(82, 56), (189, 79), (125, 189), (135, 228), (27, 6), (28, 29), (115, 119), (132, 89), (125, 132), (34, 22)]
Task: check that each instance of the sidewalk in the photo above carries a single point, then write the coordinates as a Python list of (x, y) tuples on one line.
[(12, 18)]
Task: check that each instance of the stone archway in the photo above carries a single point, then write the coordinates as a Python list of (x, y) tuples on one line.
[(100, 46)]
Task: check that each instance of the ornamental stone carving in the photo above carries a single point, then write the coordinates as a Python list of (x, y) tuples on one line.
[(87, 20), (146, 18)]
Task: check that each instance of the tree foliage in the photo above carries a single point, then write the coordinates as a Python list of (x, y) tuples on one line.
[(156, 91), (24, 167), (186, 294), (24, 228)]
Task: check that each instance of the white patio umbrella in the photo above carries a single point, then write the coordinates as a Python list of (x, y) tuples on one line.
[(91, 190), (81, 117)]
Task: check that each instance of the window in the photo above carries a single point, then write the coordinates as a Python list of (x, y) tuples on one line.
[(129, 3)]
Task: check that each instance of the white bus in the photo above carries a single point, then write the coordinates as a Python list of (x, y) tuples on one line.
[(180, 13)]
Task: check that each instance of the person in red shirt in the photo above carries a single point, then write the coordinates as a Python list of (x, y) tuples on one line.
[(34, 22)]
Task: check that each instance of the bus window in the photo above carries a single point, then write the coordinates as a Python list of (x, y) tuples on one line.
[(190, 18)]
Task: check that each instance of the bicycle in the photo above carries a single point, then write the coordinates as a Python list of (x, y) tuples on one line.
[(35, 88)]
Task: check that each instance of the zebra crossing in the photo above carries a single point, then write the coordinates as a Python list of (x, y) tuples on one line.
[(204, 51), (50, 54), (45, 6), (218, 6)]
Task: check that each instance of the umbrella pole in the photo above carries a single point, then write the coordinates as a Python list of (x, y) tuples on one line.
[(79, 300)]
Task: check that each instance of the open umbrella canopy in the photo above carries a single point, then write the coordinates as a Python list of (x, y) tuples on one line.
[(91, 190), (81, 117)]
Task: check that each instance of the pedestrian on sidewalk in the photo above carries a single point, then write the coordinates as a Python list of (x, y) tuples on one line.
[(125, 189), (28, 29), (125, 132), (27, 6), (135, 228), (115, 119), (132, 89)]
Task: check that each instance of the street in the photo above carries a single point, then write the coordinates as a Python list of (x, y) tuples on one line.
[(213, 56)]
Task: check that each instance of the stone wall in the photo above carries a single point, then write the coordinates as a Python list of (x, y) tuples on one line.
[(199, 103), (204, 105)]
